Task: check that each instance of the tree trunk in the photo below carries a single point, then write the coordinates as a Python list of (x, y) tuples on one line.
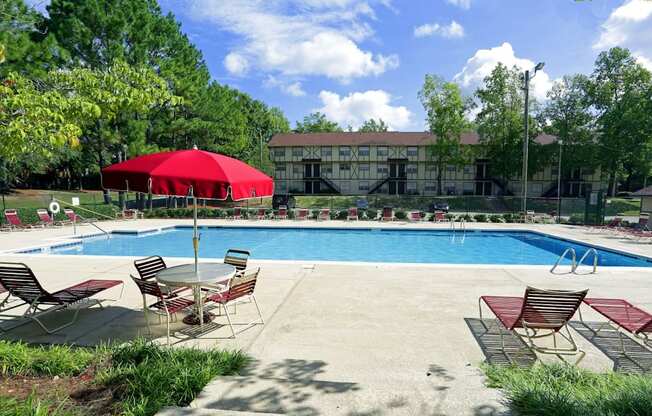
[(439, 169)]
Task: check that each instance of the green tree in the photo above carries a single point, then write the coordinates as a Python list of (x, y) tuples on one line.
[(620, 94), (36, 118), (373, 126), (445, 110), (317, 123), (567, 116), (500, 125), (26, 46)]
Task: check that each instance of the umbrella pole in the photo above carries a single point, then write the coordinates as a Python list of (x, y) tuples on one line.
[(195, 239)]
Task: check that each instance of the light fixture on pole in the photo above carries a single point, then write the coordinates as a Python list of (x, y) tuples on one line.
[(561, 143), (526, 140)]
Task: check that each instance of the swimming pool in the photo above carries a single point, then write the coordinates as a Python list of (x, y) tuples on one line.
[(360, 245)]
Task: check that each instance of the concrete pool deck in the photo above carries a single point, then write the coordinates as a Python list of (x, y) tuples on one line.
[(347, 339)]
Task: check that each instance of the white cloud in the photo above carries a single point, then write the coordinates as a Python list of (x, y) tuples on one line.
[(484, 61), (294, 89), (629, 26), (296, 37), (236, 64), (453, 30), (357, 107), (463, 4)]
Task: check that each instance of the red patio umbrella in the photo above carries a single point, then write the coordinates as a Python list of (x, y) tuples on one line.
[(195, 173)]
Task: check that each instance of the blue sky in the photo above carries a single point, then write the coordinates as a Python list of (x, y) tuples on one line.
[(356, 59)]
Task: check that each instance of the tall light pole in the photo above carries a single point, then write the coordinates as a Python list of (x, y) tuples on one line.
[(561, 143), (526, 140)]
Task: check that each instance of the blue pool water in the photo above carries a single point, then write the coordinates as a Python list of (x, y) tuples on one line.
[(365, 245)]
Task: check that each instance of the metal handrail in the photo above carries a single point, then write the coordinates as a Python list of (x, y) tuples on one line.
[(573, 259), (595, 261), (463, 224), (88, 221)]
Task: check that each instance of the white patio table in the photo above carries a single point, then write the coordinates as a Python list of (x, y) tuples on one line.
[(209, 275)]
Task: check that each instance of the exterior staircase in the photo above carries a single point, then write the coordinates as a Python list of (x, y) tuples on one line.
[(373, 188), (331, 184)]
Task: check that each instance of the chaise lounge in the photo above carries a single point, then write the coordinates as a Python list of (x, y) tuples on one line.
[(538, 310), (19, 280)]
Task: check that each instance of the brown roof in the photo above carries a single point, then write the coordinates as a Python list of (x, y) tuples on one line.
[(384, 138), (643, 192)]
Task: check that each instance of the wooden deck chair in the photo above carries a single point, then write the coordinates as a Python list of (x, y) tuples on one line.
[(625, 316), (547, 311), (20, 282), (282, 213), (352, 214), (164, 305), (388, 214), (302, 214), (241, 290), (324, 214), (73, 217)]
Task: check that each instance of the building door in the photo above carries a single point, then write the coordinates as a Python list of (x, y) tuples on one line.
[(311, 174), (397, 177)]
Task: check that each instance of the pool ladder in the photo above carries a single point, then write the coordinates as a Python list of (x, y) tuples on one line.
[(576, 264), (461, 227)]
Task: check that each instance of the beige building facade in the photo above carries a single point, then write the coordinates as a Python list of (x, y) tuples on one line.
[(397, 163)]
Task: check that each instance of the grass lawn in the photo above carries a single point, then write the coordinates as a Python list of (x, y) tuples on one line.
[(564, 390), (136, 379)]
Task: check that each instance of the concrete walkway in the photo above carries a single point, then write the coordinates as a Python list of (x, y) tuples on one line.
[(347, 339)]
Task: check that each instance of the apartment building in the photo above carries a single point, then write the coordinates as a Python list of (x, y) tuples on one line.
[(395, 163)]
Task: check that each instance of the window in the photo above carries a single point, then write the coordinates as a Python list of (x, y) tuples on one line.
[(279, 151), (536, 189), (382, 151), (364, 167), (326, 151), (297, 151), (345, 187), (363, 186), (345, 151), (431, 187), (282, 187), (383, 169), (363, 151), (468, 170), (431, 167), (411, 187), (412, 169), (412, 151), (449, 188), (296, 170), (451, 168), (280, 170), (468, 188), (326, 169), (345, 167)]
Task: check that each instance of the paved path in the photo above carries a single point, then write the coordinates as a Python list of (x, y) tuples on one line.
[(345, 339)]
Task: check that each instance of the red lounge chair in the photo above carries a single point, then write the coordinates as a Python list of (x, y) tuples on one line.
[(352, 214), (324, 214), (539, 310), (440, 217), (625, 316), (164, 304), (46, 220), (73, 217), (415, 216), (282, 213), (132, 214), (613, 225), (302, 214), (237, 213), (388, 214), (11, 215), (241, 290), (261, 214), (20, 282)]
